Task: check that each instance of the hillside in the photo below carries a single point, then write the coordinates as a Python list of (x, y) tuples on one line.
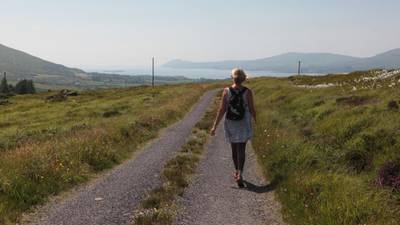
[(48, 75), (23, 65), (332, 145), (311, 63)]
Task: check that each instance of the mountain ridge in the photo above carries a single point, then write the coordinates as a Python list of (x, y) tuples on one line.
[(317, 62), (20, 63)]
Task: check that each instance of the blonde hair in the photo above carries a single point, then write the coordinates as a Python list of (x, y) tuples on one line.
[(238, 75)]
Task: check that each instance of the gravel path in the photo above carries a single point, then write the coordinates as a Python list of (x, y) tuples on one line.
[(213, 197), (112, 198)]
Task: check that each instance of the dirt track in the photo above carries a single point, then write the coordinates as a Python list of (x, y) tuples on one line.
[(214, 199)]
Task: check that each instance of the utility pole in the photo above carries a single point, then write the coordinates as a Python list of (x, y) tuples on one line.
[(299, 69), (152, 72)]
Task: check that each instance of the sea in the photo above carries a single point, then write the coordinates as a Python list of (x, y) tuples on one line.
[(189, 73)]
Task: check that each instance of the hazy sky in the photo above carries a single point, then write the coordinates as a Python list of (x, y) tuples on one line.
[(94, 33)]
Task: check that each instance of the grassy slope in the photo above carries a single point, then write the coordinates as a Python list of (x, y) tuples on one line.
[(50, 147), (326, 149)]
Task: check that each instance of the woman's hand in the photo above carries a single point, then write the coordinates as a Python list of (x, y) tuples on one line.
[(212, 131)]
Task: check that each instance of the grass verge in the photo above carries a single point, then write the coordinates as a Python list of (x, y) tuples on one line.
[(327, 147), (159, 207), (46, 148)]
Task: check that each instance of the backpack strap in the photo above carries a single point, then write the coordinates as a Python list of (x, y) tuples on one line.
[(244, 89), (241, 91), (231, 91)]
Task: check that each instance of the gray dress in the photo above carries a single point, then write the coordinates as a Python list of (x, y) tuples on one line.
[(239, 131)]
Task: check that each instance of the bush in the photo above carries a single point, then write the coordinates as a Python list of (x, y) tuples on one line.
[(358, 160), (389, 175), (392, 105), (25, 87), (354, 100), (111, 113)]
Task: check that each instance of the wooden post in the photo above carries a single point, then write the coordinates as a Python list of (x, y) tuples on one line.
[(152, 72), (299, 69)]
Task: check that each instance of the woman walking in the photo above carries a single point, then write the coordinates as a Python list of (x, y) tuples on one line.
[(238, 107)]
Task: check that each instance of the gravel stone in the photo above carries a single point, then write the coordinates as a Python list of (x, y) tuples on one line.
[(214, 198)]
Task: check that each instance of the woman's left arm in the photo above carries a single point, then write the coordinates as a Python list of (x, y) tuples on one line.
[(251, 105), (220, 114)]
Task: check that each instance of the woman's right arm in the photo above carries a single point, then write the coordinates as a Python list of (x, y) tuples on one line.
[(220, 114), (251, 105)]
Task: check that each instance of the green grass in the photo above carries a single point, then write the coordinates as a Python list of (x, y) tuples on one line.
[(48, 147), (326, 145), (159, 206)]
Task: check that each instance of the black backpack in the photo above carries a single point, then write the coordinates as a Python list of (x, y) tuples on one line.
[(236, 108)]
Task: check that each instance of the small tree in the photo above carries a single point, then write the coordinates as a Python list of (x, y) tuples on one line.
[(4, 86), (20, 87), (11, 88), (25, 87), (30, 87)]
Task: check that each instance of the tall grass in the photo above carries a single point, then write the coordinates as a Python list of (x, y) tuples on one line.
[(49, 147), (326, 147)]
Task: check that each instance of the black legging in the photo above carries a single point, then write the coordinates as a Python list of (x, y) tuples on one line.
[(239, 155)]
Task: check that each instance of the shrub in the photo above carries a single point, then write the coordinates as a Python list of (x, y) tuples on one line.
[(319, 103), (111, 113), (25, 87), (354, 100), (358, 160), (392, 105), (389, 175)]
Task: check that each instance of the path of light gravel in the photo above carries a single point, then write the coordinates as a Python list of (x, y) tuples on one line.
[(214, 199)]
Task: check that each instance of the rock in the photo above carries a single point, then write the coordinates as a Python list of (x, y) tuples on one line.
[(4, 102), (61, 96)]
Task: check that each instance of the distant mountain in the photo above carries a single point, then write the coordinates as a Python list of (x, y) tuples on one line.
[(311, 63), (47, 75), (387, 60), (22, 64)]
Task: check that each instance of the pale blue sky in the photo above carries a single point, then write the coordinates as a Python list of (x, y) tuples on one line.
[(99, 33)]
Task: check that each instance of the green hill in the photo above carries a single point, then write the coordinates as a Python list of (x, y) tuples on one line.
[(48, 75), (23, 65)]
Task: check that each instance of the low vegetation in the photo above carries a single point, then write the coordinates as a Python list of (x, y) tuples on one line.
[(49, 146), (22, 87), (334, 150), (159, 207)]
